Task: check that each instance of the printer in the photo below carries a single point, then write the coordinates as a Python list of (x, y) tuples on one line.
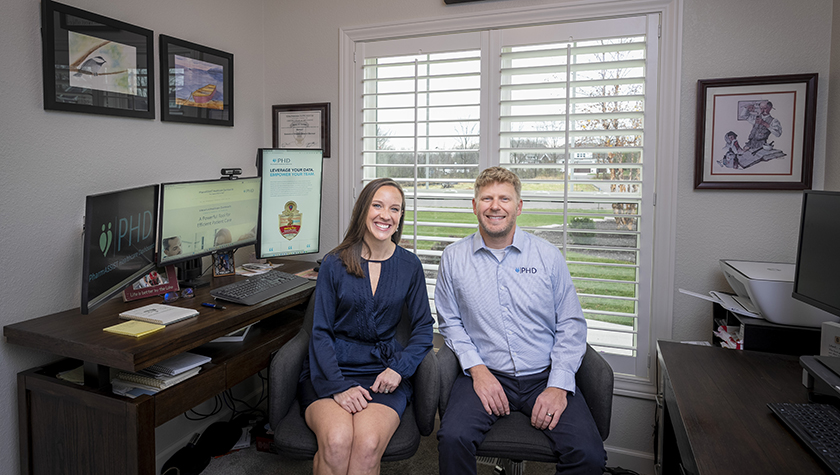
[(765, 288)]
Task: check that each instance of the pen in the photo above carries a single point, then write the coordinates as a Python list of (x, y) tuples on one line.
[(213, 305)]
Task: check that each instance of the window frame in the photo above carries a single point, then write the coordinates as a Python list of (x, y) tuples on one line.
[(666, 123)]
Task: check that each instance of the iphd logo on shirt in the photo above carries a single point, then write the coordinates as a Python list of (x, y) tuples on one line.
[(526, 270)]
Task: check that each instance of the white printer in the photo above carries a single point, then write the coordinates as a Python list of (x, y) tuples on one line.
[(765, 288)]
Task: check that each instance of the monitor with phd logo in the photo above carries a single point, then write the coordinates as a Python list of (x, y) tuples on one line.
[(119, 242), (290, 202)]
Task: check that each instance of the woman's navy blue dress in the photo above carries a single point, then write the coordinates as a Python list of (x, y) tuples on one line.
[(353, 330)]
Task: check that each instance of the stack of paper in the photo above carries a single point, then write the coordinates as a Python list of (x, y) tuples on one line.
[(159, 376), (176, 365)]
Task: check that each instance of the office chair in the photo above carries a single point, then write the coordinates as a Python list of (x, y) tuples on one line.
[(292, 436), (512, 437)]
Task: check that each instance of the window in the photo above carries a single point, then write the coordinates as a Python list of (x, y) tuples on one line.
[(570, 107)]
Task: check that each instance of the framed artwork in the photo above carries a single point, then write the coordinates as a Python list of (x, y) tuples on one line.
[(301, 126), (756, 133), (95, 64), (223, 264), (157, 281), (197, 83)]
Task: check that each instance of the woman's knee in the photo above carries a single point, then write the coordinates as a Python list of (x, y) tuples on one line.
[(337, 445), (369, 447)]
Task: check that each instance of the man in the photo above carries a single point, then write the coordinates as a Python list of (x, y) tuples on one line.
[(172, 246), (507, 308), (763, 125)]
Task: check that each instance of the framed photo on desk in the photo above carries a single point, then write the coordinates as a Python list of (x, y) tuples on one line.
[(158, 281)]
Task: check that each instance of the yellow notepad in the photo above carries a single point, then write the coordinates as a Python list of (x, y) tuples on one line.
[(135, 328)]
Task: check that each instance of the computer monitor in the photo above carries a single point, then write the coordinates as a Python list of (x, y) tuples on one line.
[(817, 276), (119, 242), (290, 202), (199, 218)]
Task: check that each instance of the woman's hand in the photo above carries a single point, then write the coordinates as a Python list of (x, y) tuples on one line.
[(353, 400), (386, 382)]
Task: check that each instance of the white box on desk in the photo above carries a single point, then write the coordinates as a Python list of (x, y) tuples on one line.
[(830, 339)]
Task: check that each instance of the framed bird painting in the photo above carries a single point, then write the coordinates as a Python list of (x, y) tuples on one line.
[(95, 64)]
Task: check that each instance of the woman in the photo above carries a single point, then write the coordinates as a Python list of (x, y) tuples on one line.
[(354, 385)]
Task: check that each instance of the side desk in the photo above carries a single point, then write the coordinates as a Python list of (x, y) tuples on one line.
[(85, 429), (716, 418)]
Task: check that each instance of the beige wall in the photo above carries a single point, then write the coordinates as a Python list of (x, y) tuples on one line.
[(51, 160), (287, 52)]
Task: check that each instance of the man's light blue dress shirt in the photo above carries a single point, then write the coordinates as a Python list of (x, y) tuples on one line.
[(518, 316)]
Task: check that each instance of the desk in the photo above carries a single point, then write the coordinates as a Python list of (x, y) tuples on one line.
[(716, 418), (73, 429)]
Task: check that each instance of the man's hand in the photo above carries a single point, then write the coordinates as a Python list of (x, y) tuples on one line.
[(386, 382), (490, 391), (548, 407), (352, 400)]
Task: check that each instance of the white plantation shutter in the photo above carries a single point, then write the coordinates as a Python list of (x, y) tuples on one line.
[(572, 115), (421, 126), (565, 107)]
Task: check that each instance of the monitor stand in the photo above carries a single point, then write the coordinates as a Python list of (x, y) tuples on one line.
[(190, 274)]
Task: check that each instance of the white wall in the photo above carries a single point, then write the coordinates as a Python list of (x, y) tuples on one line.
[(753, 38), (287, 52), (51, 160)]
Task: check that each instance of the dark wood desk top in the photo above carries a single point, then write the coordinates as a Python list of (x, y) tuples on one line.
[(721, 397), (78, 336)]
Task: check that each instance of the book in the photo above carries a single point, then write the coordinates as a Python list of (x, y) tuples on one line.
[(159, 313), (177, 364), (155, 383), (134, 328), (75, 375), (130, 389), (234, 336)]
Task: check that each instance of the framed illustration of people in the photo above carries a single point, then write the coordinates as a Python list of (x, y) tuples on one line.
[(756, 132)]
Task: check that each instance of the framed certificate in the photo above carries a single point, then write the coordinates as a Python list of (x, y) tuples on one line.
[(301, 126)]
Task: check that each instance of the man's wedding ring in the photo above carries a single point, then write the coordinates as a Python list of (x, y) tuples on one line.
[(549, 414)]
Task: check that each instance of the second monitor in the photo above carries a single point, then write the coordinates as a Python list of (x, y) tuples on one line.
[(202, 217), (290, 202)]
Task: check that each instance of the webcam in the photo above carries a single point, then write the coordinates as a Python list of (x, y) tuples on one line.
[(231, 173)]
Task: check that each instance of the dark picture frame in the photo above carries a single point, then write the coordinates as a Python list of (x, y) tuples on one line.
[(756, 133), (190, 77), (95, 64), (301, 126)]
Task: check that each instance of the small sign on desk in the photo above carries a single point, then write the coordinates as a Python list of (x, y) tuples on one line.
[(830, 339)]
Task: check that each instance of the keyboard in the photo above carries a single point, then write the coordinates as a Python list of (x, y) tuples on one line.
[(817, 426), (254, 290)]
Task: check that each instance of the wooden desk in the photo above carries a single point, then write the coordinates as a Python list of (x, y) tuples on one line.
[(716, 418), (73, 429)]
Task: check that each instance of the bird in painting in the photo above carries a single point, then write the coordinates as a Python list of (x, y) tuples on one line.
[(91, 66)]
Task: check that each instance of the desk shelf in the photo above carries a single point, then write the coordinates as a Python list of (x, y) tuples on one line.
[(83, 429), (762, 335)]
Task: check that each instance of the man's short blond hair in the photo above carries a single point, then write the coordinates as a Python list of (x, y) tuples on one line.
[(497, 175)]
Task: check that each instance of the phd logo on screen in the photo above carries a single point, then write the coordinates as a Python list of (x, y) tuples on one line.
[(131, 231)]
